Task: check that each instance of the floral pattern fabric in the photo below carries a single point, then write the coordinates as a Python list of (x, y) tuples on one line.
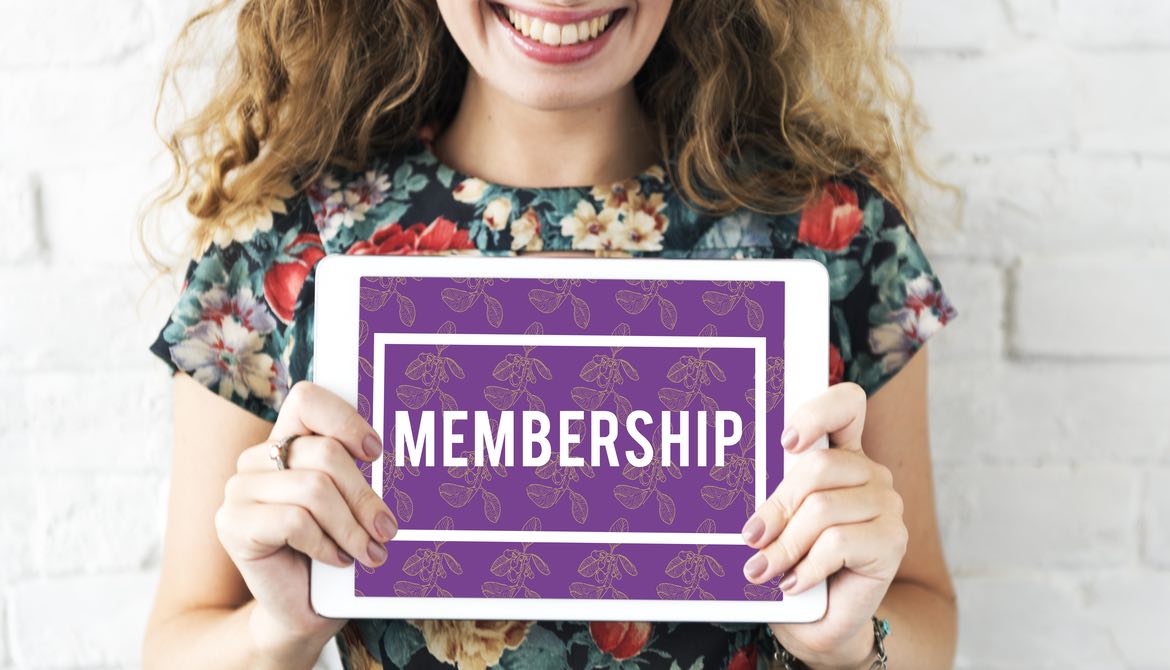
[(243, 327)]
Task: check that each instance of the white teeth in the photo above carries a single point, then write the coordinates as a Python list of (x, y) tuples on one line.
[(555, 34)]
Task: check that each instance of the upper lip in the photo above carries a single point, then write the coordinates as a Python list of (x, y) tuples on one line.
[(559, 16)]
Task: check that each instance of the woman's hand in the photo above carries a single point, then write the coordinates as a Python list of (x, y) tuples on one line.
[(836, 515), (272, 521)]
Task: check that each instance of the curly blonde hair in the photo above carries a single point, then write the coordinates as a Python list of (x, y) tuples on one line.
[(759, 103)]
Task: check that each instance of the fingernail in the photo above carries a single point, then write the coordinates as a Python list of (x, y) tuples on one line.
[(789, 437), (372, 446), (753, 530), (788, 582), (755, 567), (385, 526), (345, 558), (377, 552)]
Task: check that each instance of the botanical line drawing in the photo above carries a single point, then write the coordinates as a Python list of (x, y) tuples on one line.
[(737, 473), (774, 384), (429, 566), (518, 371), (769, 590), (550, 301), (474, 479), (690, 569), (460, 300), (693, 373), (604, 568), (372, 298), (648, 480), (562, 479), (432, 371), (722, 303), (516, 567), (650, 292), (606, 373)]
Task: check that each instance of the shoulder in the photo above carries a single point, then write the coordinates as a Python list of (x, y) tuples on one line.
[(242, 320), (886, 298)]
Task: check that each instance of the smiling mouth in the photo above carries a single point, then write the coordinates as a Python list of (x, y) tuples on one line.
[(557, 34)]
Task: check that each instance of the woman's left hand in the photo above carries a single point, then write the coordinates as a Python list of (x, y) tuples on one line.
[(836, 515)]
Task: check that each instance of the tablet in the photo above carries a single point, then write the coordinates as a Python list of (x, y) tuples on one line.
[(564, 433)]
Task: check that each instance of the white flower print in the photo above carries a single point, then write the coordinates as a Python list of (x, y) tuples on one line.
[(591, 230), (227, 356), (497, 213), (641, 232), (526, 232), (469, 190), (217, 305), (925, 311), (244, 224)]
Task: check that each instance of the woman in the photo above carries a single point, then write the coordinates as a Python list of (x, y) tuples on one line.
[(698, 128)]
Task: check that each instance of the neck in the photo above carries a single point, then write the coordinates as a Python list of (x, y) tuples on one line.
[(605, 142)]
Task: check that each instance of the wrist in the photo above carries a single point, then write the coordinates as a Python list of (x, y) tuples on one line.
[(275, 645), (858, 652)]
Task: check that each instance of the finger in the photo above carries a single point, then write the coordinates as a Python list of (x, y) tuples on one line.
[(816, 470), (315, 492), (317, 452), (255, 531), (839, 413), (819, 511), (872, 549), (309, 408)]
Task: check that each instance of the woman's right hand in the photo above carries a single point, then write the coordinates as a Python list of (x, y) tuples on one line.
[(272, 521)]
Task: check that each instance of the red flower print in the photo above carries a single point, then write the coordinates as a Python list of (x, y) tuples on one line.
[(439, 235), (744, 658), (283, 281), (831, 222), (836, 365), (620, 639)]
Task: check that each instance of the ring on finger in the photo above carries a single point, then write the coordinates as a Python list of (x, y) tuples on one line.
[(278, 452)]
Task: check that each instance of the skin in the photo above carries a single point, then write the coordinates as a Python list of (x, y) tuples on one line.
[(233, 590)]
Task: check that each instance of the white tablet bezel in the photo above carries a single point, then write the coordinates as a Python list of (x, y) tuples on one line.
[(806, 337)]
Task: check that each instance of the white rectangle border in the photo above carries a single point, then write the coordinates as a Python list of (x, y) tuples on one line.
[(337, 314), (377, 420)]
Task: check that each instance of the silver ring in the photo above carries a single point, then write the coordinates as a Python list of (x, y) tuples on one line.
[(278, 452)]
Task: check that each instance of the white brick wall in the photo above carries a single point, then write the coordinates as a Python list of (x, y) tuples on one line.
[(1049, 394)]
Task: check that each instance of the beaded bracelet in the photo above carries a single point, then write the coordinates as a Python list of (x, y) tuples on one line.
[(881, 628)]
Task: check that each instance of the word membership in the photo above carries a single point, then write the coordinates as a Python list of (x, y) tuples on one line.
[(494, 439)]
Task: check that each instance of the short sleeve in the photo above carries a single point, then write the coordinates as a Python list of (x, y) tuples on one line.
[(885, 299), (242, 326)]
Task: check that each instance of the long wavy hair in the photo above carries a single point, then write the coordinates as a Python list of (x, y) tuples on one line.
[(759, 102)]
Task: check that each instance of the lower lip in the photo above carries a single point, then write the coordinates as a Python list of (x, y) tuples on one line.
[(559, 55)]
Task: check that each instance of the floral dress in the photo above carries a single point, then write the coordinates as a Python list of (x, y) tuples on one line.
[(243, 327)]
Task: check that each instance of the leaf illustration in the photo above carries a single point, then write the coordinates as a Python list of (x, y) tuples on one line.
[(545, 301), (714, 566), (716, 371), (541, 368), (580, 507), (406, 311), (707, 526), (495, 311), (491, 506), (632, 301), (447, 402), (412, 396), (677, 566), (717, 496), (591, 370), (677, 372), (710, 405), (543, 496), (761, 592), (456, 495), (666, 508), (619, 525), (414, 563), (372, 299), (452, 564), (673, 399), (586, 398), (535, 403), (415, 369), (363, 407), (582, 590), (363, 332), (631, 497), (755, 313), (458, 299), (403, 505), (532, 524), (628, 369), (627, 565), (366, 366), (446, 523), (719, 303), (667, 314), (455, 368), (580, 312), (668, 591), (447, 328), (539, 564), (497, 590), (500, 397), (624, 407), (407, 589)]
